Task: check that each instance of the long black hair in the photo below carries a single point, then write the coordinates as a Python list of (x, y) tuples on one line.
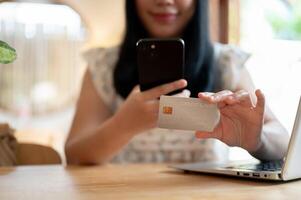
[(198, 51)]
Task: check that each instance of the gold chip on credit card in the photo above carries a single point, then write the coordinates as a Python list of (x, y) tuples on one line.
[(167, 110)]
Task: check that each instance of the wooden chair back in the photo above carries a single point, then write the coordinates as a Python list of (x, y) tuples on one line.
[(35, 154)]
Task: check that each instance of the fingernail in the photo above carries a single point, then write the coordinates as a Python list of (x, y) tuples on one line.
[(182, 82)]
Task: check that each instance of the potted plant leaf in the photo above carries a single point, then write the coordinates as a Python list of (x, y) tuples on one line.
[(7, 53)]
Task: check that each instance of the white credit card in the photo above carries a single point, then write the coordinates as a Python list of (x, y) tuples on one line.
[(187, 114)]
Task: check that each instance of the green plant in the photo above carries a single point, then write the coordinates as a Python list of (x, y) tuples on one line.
[(7, 53), (287, 27)]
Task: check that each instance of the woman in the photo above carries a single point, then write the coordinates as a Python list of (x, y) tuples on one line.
[(115, 121)]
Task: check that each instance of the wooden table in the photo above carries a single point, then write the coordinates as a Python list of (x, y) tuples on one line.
[(132, 182)]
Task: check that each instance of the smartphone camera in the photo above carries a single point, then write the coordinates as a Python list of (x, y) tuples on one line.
[(153, 50)]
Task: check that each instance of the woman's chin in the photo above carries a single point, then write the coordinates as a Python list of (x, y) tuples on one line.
[(164, 34)]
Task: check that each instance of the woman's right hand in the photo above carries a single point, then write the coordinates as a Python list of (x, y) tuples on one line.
[(140, 110)]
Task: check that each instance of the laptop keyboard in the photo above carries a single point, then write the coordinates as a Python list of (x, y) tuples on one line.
[(263, 166)]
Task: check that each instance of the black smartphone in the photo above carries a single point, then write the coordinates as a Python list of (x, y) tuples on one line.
[(160, 61)]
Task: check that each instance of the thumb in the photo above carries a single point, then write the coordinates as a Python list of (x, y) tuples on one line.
[(260, 105)]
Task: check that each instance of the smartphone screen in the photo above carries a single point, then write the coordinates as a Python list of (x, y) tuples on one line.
[(159, 61)]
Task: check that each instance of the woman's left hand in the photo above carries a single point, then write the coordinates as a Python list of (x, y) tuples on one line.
[(241, 122)]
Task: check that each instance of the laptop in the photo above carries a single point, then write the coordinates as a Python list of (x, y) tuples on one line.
[(283, 170)]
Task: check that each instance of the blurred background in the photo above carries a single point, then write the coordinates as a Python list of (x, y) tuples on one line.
[(38, 92)]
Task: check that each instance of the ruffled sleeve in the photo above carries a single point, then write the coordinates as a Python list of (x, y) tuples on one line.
[(101, 63), (229, 61)]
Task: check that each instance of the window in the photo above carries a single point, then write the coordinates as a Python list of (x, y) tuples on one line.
[(271, 32), (48, 39)]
